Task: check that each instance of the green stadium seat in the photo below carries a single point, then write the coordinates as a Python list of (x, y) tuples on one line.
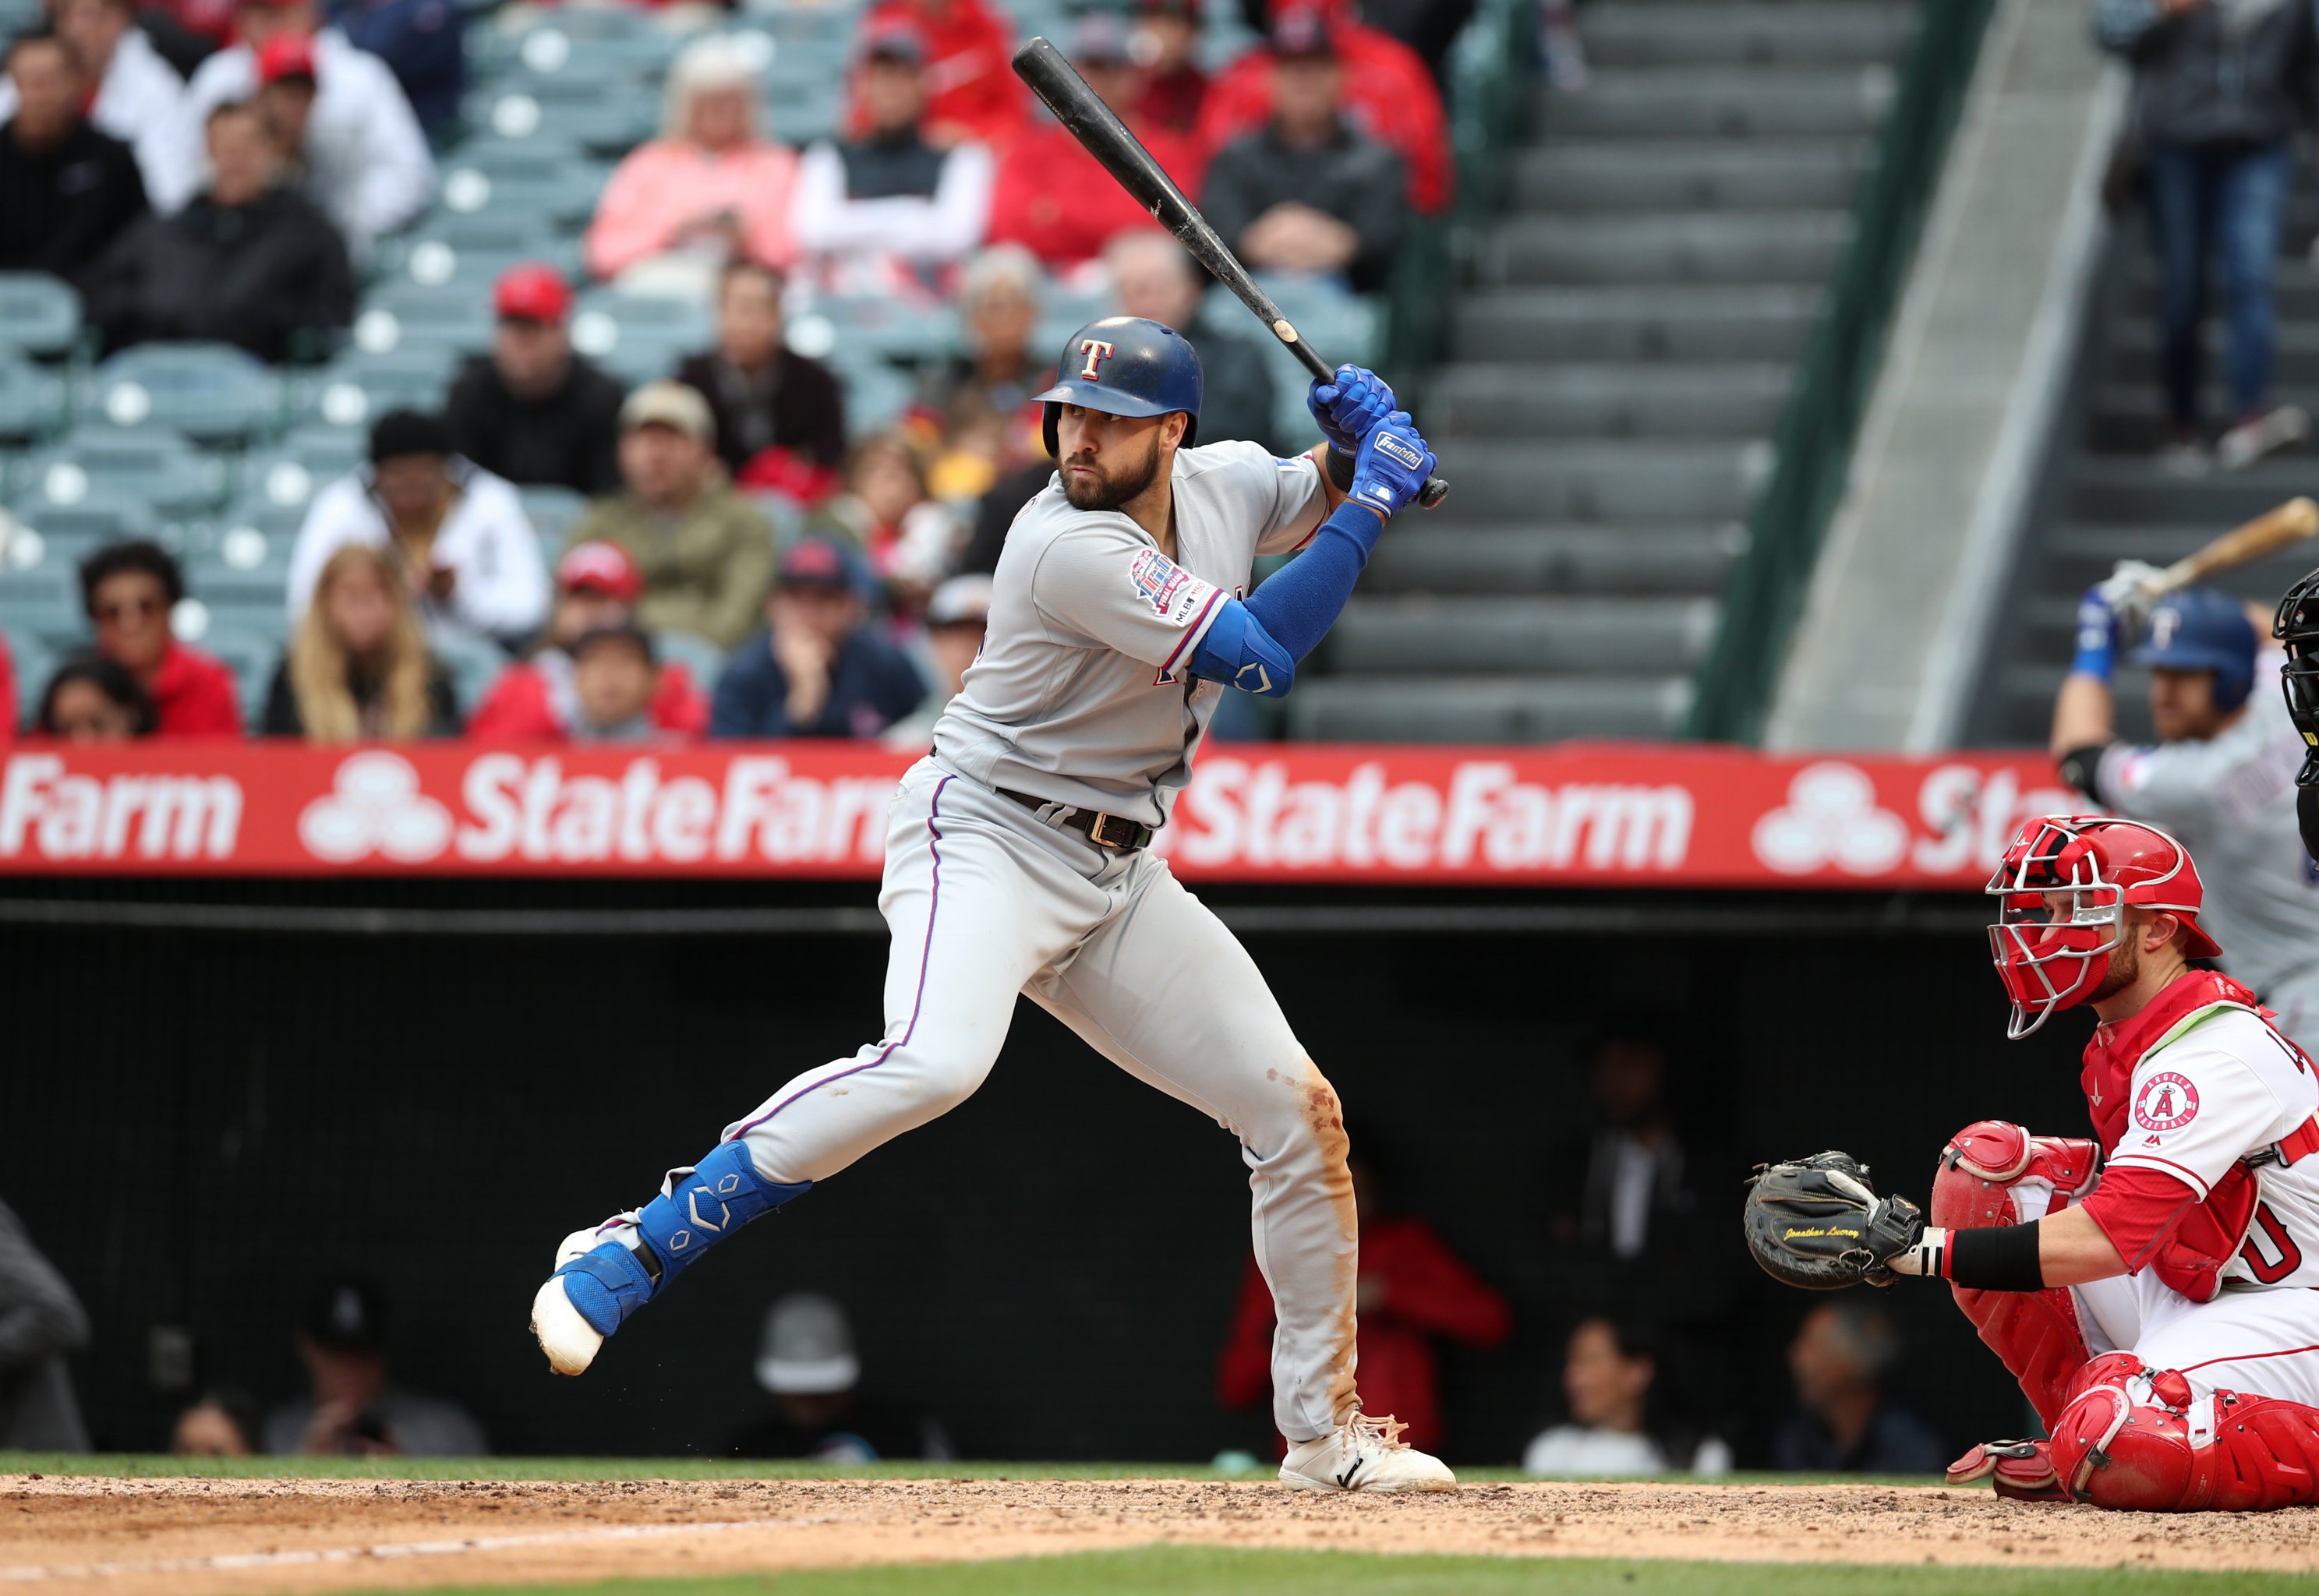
[(212, 392), (428, 323), (637, 337), (359, 387), (152, 465), (561, 190), (551, 512), (236, 566), (32, 400), (250, 653), (473, 663), (695, 653), (39, 314), (40, 604)]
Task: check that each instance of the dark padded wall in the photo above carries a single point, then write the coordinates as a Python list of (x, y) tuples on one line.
[(196, 1126)]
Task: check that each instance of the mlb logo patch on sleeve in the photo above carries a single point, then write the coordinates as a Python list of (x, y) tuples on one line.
[(1174, 594)]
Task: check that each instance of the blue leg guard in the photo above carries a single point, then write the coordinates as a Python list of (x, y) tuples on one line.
[(698, 1208)]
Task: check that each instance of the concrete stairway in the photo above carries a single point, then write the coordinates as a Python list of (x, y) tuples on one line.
[(1618, 365)]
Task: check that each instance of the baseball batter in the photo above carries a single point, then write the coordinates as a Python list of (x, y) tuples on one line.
[(1017, 861), (2162, 1315), (2221, 777)]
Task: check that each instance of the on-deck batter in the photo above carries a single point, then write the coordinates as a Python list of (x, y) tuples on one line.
[(1016, 860)]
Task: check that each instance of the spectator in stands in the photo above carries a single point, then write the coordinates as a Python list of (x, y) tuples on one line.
[(365, 161), (1610, 1382), (2219, 91), (1309, 195), (1152, 275), (43, 1321), (66, 190), (808, 1366), (1167, 46), (423, 43), (909, 537), (219, 1424), (139, 97), (999, 507), (977, 405), (597, 586), (1413, 1290), (358, 669), (187, 32), (458, 534), (1844, 1422), (129, 589), (248, 262), (763, 394), (888, 210), (1388, 95), (532, 411), (817, 669), (1050, 196), (957, 617), (1428, 27), (712, 189), (706, 553), (615, 677), (351, 1410), (90, 698), (967, 45)]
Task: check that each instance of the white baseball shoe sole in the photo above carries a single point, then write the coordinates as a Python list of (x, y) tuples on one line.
[(570, 1341), (1364, 1454)]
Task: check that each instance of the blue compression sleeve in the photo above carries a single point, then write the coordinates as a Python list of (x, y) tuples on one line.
[(1255, 644)]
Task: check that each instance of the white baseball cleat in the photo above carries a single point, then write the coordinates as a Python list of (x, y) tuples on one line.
[(1364, 1454), (570, 1341)]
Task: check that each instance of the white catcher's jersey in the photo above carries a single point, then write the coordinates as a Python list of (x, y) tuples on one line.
[(2230, 800), (1082, 693), (2224, 1088)]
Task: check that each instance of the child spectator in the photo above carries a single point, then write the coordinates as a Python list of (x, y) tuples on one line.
[(458, 532), (957, 617), (763, 394), (705, 552), (357, 667), (1610, 1378), (1308, 195), (1152, 275), (597, 585), (967, 47), (615, 676), (1167, 44), (890, 210), (129, 589), (712, 189), (423, 43), (911, 539), (66, 190), (249, 261), (532, 411), (817, 669), (978, 405), (90, 698)]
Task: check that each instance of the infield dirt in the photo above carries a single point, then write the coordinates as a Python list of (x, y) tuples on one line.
[(204, 1537)]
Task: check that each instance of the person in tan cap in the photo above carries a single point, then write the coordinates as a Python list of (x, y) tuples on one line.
[(706, 555)]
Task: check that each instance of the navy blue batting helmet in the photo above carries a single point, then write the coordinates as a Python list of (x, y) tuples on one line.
[(2200, 629), (1127, 366)]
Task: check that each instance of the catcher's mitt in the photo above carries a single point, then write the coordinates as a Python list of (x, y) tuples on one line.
[(1815, 1222)]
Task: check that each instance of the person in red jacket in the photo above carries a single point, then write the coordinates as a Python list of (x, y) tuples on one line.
[(597, 586), (970, 48), (1388, 94), (1050, 196), (129, 591), (1167, 45), (1413, 1288)]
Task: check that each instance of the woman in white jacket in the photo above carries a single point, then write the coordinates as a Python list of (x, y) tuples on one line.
[(458, 533)]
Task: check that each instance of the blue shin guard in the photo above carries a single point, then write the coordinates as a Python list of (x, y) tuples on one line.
[(698, 1208)]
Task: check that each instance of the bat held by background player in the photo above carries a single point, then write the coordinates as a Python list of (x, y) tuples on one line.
[(2135, 586)]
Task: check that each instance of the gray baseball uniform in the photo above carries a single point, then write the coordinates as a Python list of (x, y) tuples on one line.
[(2230, 800), (1081, 698)]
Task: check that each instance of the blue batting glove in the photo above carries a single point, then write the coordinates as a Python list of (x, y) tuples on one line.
[(1394, 462), (1349, 406), (2097, 636)]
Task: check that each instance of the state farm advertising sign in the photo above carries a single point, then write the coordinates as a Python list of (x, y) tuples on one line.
[(1594, 815)]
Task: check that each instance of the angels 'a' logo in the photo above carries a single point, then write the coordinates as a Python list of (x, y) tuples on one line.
[(2166, 1101), (1097, 352)]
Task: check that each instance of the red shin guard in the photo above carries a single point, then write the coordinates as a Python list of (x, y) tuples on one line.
[(2036, 1334), (2138, 1439)]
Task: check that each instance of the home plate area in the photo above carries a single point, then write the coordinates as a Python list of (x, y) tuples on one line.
[(191, 1537)]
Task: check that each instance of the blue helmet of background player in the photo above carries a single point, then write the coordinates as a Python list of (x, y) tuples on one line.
[(1127, 366), (2200, 629)]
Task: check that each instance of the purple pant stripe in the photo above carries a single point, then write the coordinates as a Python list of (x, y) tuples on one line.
[(933, 812)]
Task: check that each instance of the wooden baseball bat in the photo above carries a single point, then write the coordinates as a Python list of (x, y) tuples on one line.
[(1103, 136), (2267, 534)]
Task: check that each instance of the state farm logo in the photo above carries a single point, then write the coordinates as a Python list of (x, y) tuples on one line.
[(1831, 817), (374, 807)]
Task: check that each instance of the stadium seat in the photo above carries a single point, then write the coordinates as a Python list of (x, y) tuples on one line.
[(695, 653), (277, 481), (35, 663), (238, 567), (473, 663), (639, 337), (437, 322), (39, 314), (359, 386), (42, 605), (150, 463), (212, 392), (551, 512), (251, 655), (559, 189), (32, 401)]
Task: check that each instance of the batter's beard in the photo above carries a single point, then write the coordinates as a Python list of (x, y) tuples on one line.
[(2124, 968), (1109, 492)]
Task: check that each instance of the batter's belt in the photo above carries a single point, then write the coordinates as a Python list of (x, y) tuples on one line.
[(1114, 833)]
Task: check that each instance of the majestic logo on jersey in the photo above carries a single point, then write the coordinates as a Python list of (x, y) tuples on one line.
[(1097, 352), (2166, 1101), (1174, 594)]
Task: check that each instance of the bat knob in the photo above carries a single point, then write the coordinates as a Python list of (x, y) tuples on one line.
[(1434, 491)]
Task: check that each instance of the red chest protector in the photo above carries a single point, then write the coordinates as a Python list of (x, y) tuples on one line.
[(2192, 1261)]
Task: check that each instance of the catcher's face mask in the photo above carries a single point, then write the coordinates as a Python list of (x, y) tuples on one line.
[(2296, 625), (2058, 922)]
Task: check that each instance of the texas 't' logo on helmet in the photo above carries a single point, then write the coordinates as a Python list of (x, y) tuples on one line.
[(1097, 352)]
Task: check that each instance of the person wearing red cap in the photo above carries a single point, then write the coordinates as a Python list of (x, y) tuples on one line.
[(966, 47), (817, 669), (533, 411), (597, 586)]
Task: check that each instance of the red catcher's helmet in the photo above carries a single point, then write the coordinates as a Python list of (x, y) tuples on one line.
[(2063, 887)]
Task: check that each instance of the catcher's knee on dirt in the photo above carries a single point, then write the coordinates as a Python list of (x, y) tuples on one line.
[(1993, 1174), (2146, 1440)]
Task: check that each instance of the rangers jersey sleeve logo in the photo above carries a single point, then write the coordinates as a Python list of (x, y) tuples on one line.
[(1174, 594), (2167, 1102)]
